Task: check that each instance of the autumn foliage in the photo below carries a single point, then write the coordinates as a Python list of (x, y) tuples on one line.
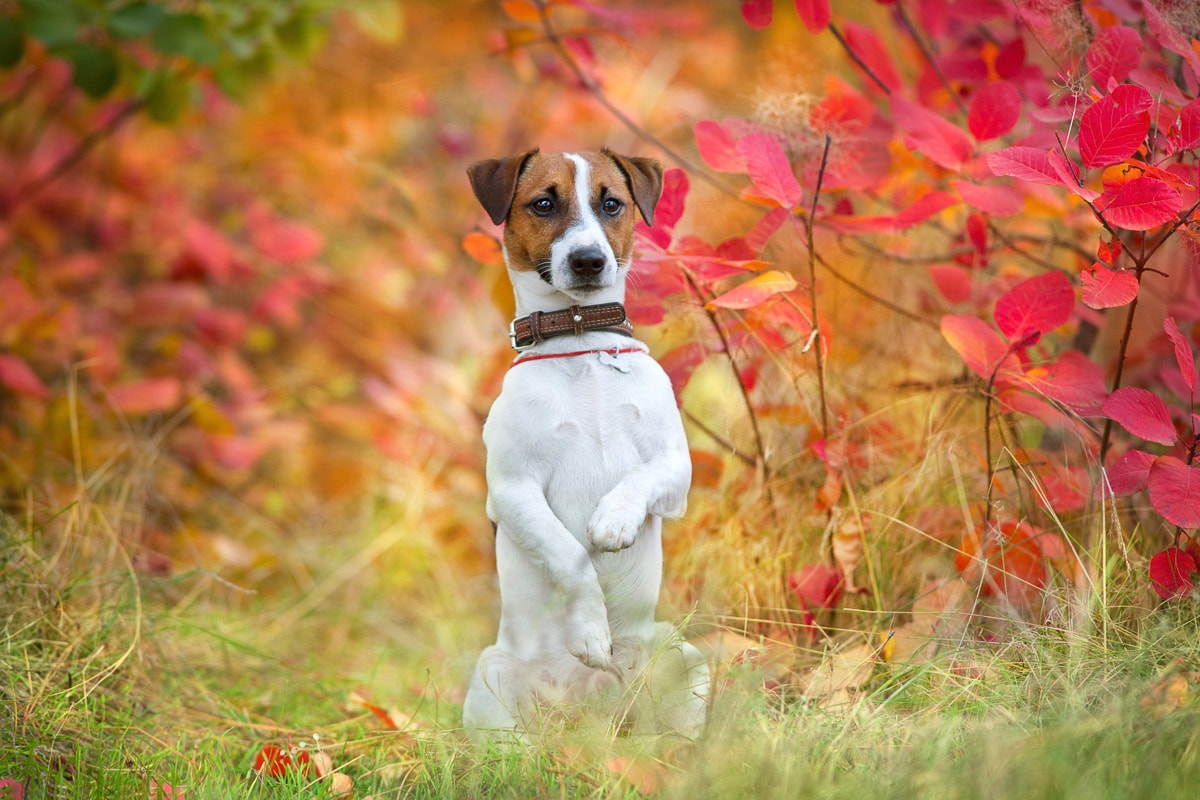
[(989, 206)]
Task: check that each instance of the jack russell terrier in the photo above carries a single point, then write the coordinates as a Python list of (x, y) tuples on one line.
[(585, 456)]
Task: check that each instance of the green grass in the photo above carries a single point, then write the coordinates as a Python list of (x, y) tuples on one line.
[(111, 679)]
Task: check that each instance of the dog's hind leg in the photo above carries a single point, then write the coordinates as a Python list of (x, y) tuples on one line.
[(676, 688), (499, 699)]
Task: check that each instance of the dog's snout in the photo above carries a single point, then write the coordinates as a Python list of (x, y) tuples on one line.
[(587, 263)]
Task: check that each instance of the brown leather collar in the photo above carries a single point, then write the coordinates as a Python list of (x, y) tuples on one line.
[(542, 325)]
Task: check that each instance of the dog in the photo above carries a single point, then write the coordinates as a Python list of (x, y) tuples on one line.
[(586, 456)]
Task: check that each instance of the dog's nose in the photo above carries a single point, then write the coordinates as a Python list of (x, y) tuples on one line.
[(587, 262)]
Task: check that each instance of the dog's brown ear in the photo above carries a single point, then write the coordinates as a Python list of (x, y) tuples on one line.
[(645, 178), (495, 183)]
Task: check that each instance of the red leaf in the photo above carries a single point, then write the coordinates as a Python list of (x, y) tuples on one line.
[(817, 586), (758, 13), (1189, 126), (994, 110), (867, 45), (19, 378), (1035, 306), (209, 250), (1142, 204), (980, 347), (815, 14), (1169, 37), (977, 233), (147, 396), (1107, 288), (1114, 53), (1025, 163), (1142, 413), (769, 169), (941, 141), (928, 205), (952, 282), (1175, 491), (1114, 127), (755, 291), (993, 199), (718, 147), (670, 205), (1171, 573), (1183, 353), (1128, 474)]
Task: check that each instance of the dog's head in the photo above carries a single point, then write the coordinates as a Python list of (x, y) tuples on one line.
[(569, 216)]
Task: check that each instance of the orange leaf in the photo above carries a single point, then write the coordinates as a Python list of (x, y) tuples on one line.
[(521, 10), (147, 396), (484, 249)]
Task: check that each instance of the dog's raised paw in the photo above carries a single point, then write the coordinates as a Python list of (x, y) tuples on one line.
[(589, 638), (615, 525)]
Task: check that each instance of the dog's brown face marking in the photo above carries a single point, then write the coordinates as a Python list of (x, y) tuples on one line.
[(576, 237)]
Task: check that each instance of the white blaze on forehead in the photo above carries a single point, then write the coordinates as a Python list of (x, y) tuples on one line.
[(585, 231)]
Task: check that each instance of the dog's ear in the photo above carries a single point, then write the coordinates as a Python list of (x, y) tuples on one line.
[(495, 183), (645, 178)]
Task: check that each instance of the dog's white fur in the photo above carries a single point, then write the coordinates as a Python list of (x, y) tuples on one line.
[(583, 462)]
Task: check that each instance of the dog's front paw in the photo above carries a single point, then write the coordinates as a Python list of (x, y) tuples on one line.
[(616, 523), (588, 636)]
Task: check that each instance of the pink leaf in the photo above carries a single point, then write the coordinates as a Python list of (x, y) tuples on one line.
[(209, 250), (769, 169), (1142, 204), (1114, 53), (1074, 380), (1129, 473), (868, 46), (1183, 353), (1171, 573), (1142, 413), (1068, 176), (287, 242), (758, 13), (815, 14), (1107, 288), (952, 282), (817, 586), (941, 141), (718, 147), (1175, 491), (993, 199), (994, 110), (1035, 306), (758, 236), (147, 396), (980, 347), (680, 362), (1114, 127), (755, 291), (1169, 37), (18, 377), (1025, 163)]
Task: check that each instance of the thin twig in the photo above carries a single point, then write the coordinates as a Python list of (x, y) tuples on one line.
[(837, 34), (933, 65), (812, 287), (725, 444), (883, 301), (80, 151)]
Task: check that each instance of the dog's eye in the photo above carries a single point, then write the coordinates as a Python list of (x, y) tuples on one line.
[(543, 206), (612, 206)]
